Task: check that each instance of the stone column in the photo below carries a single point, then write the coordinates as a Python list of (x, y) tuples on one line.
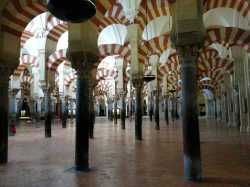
[(188, 35), (109, 109), (166, 110), (219, 109), (4, 118), (215, 108), (115, 104), (92, 108), (13, 107), (191, 138), (115, 110), (58, 106), (247, 73), (246, 99), (154, 61), (137, 74), (71, 109), (92, 116), (64, 111), (83, 63), (48, 114), (130, 101), (4, 127), (157, 105), (138, 84), (231, 113), (236, 102), (123, 110), (228, 93), (172, 107)]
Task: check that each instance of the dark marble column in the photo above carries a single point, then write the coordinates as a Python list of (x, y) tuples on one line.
[(115, 105), (4, 116), (237, 107), (166, 110), (123, 110), (191, 138), (71, 101), (215, 108), (84, 64), (138, 84), (173, 108), (151, 107), (226, 107), (220, 104), (157, 105), (92, 116), (115, 115), (48, 114), (64, 111), (110, 109), (130, 108), (82, 123), (12, 107)]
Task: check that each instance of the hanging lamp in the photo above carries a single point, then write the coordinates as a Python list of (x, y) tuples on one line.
[(76, 11)]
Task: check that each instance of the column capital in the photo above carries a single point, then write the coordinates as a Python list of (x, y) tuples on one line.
[(13, 91), (6, 69), (46, 89), (137, 83), (85, 64), (188, 51), (81, 59), (123, 93)]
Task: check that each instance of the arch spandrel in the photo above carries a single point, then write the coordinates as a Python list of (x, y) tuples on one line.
[(12, 26)]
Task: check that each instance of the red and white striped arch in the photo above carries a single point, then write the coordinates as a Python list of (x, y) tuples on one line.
[(69, 79), (115, 49), (101, 9), (115, 15), (207, 87), (26, 35), (112, 13), (149, 10), (228, 37), (157, 45), (56, 28), (105, 74), (242, 6), (18, 13), (171, 65), (206, 55), (103, 87), (26, 61), (224, 64), (56, 59), (208, 84), (209, 59), (216, 74)]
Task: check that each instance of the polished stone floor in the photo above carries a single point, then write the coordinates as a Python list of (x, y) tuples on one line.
[(118, 160)]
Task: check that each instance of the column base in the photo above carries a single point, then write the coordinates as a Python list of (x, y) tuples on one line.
[(3, 159), (48, 135), (157, 127), (64, 124), (48, 128), (76, 169), (192, 169)]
